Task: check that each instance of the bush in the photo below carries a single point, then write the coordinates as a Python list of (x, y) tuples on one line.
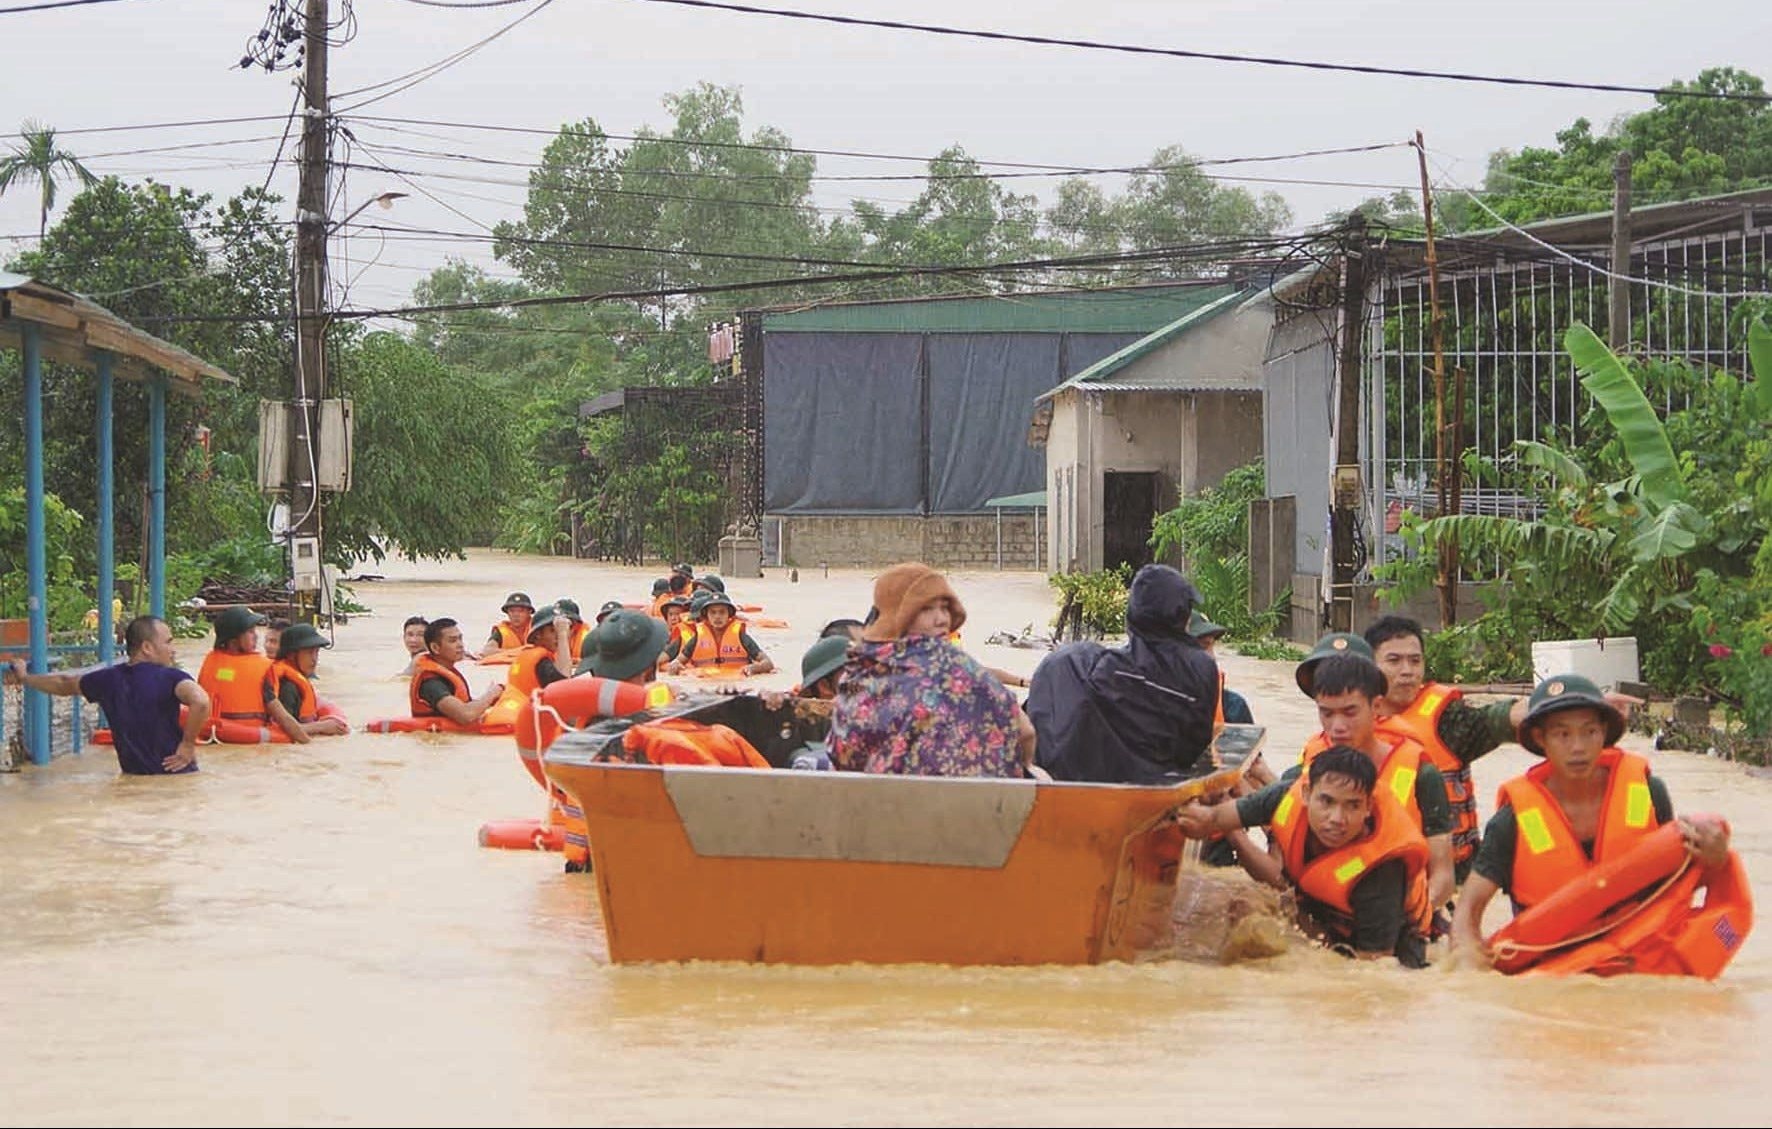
[(1213, 524), (1095, 601)]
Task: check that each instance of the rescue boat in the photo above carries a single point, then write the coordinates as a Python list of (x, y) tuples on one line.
[(804, 867)]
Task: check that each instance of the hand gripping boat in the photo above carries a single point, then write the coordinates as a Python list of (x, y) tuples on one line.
[(801, 867)]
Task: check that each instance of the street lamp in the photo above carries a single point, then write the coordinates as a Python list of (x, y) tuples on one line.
[(386, 200)]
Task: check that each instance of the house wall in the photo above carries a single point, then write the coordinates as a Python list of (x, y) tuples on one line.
[(1062, 458), (962, 542), (1297, 416)]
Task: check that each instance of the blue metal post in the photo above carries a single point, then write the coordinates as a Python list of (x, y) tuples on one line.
[(157, 496), (107, 558), (36, 567)]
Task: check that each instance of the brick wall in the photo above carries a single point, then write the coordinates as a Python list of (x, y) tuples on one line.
[(962, 542)]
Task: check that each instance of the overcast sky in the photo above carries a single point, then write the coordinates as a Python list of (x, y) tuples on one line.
[(146, 61)]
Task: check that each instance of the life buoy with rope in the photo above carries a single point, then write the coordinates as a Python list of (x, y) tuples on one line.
[(1652, 910)]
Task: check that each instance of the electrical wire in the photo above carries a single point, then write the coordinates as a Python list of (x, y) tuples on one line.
[(413, 78), (44, 7), (1211, 56)]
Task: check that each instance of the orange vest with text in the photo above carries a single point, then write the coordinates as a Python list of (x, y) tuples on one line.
[(1547, 854), (283, 671), (1396, 775), (424, 667), (1421, 723), (1330, 877), (235, 684), (724, 651)]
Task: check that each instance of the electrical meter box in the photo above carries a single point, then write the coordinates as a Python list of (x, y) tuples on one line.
[(304, 563)]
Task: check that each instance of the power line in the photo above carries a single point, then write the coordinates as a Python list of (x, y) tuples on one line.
[(52, 4), (193, 124), (1213, 56), (413, 78), (467, 3)]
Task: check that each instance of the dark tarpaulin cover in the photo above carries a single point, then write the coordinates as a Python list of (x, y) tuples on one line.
[(842, 416), (842, 421)]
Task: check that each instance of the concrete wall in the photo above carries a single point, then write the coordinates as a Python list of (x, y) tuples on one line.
[(1190, 439), (1298, 382), (968, 541)]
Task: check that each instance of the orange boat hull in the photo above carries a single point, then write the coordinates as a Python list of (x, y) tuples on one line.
[(835, 868)]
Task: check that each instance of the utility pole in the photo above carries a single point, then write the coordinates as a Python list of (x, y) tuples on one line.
[(1618, 290), (1345, 489), (1446, 492), (310, 327)]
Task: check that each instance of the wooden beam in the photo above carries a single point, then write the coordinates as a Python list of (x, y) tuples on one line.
[(32, 308)]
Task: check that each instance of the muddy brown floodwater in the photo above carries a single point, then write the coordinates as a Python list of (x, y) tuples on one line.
[(312, 935)]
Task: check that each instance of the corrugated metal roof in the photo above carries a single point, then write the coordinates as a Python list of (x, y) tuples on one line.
[(1094, 378), (1133, 309), (74, 328)]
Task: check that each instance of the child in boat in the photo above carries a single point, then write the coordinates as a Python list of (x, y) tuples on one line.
[(1355, 858), (1588, 803)]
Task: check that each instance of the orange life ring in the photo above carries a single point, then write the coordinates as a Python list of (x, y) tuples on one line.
[(1596, 924), (437, 724), (229, 732), (576, 701), (522, 835)]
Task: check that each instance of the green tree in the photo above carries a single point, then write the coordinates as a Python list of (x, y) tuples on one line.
[(1681, 148), (37, 159)]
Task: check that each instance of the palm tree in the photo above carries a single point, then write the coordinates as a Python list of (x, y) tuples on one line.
[(37, 158)]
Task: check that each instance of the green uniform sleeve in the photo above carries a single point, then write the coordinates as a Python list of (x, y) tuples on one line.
[(547, 673), (1475, 731), (1377, 901), (1430, 797), (433, 689), (673, 648), (290, 696), (751, 650), (1257, 809), (1495, 857), (1664, 803)]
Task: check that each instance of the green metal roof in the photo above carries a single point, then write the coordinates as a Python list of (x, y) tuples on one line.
[(1097, 373), (1125, 310)]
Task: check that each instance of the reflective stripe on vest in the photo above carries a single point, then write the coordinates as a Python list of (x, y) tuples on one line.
[(1421, 723), (1552, 855)]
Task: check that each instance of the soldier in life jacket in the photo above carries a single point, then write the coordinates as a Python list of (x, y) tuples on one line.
[(509, 633), (1349, 688), (1587, 803), (289, 692), (1356, 860), (233, 674), (721, 642), (438, 689), (543, 655), (1454, 732), (572, 624)]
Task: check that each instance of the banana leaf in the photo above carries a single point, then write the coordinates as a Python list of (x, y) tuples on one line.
[(1759, 348), (1621, 605), (1557, 546), (1671, 533), (1565, 470), (1617, 392)]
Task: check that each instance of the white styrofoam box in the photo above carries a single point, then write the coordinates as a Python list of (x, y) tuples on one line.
[(1607, 661)]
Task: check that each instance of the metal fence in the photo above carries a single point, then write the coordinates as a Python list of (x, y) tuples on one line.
[(1503, 326), (72, 720)]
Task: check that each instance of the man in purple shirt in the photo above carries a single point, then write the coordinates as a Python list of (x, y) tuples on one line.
[(141, 700)]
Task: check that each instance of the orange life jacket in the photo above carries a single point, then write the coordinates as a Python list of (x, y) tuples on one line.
[(509, 638), (1421, 723), (521, 678), (725, 651), (1218, 709), (658, 603), (1396, 774), (235, 684), (426, 666), (1548, 855), (677, 741), (1330, 877), (285, 671), (575, 641)]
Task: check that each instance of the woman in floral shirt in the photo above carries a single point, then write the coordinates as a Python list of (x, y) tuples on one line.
[(911, 702)]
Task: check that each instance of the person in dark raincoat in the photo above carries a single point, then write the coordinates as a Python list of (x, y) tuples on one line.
[(1137, 714)]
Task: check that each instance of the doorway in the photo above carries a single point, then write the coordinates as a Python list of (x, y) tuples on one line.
[(1129, 506)]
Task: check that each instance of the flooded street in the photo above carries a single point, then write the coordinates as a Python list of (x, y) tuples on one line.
[(311, 934)]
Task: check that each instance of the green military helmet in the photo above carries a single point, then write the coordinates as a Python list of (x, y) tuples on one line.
[(543, 618), (823, 658), (1330, 645), (1567, 692), (300, 637), (1202, 628), (623, 645)]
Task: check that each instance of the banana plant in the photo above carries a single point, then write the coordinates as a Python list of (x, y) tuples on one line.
[(1631, 543)]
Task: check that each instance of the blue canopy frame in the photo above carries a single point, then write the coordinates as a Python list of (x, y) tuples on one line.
[(47, 323)]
